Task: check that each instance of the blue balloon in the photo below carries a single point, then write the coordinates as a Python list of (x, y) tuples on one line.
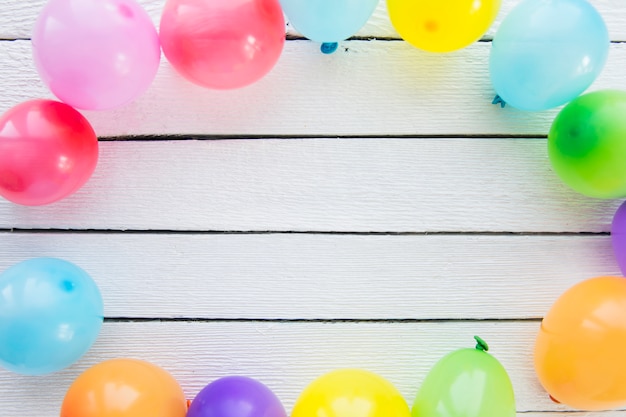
[(328, 20), (50, 314), (547, 52)]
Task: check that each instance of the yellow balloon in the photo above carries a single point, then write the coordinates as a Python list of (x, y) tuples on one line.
[(442, 25), (351, 393)]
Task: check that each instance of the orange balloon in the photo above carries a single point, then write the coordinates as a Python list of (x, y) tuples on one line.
[(580, 350), (124, 388)]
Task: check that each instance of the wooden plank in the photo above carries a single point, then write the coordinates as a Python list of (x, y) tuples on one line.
[(339, 185), (287, 356), (287, 276), (18, 17), (376, 88)]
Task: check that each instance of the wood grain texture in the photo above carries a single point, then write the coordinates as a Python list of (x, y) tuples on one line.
[(369, 209), (18, 17), (336, 185), (375, 88), (288, 356), (292, 276)]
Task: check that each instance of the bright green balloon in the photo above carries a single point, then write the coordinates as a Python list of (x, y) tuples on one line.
[(466, 383), (587, 144)]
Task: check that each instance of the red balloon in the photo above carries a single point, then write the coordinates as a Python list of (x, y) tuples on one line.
[(48, 150), (222, 44)]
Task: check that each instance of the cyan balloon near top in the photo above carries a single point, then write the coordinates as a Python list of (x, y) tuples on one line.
[(328, 21), (547, 52)]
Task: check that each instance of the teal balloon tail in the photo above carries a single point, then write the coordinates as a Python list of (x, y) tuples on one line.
[(498, 100), (481, 344), (329, 47)]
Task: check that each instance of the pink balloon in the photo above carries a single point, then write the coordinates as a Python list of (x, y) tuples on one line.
[(222, 44), (48, 150), (96, 54)]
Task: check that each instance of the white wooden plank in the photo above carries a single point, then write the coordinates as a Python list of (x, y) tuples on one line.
[(376, 88), (380, 185), (18, 17), (287, 356), (324, 276)]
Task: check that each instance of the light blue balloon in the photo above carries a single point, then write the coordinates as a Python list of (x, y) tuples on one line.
[(50, 314), (328, 21), (547, 52)]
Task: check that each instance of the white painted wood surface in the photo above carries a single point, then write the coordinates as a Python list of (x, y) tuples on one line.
[(313, 276), (324, 185), (378, 88), (370, 208)]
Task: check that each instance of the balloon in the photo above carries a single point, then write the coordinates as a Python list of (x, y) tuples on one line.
[(328, 20), (579, 352), (466, 383), (96, 54), (442, 26), (222, 44), (50, 315), (124, 388), (547, 52), (350, 393), (587, 144), (236, 396), (47, 151), (618, 237)]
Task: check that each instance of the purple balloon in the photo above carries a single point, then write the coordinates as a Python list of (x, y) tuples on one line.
[(236, 396), (618, 237)]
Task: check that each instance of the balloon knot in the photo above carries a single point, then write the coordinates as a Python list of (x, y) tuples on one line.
[(498, 100), (329, 47), (481, 344)]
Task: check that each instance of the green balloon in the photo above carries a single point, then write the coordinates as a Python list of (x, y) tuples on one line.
[(587, 144), (466, 383)]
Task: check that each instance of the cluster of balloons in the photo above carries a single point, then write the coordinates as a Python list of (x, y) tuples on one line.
[(103, 54), (545, 54), (430, 25), (132, 388), (465, 383), (51, 312)]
